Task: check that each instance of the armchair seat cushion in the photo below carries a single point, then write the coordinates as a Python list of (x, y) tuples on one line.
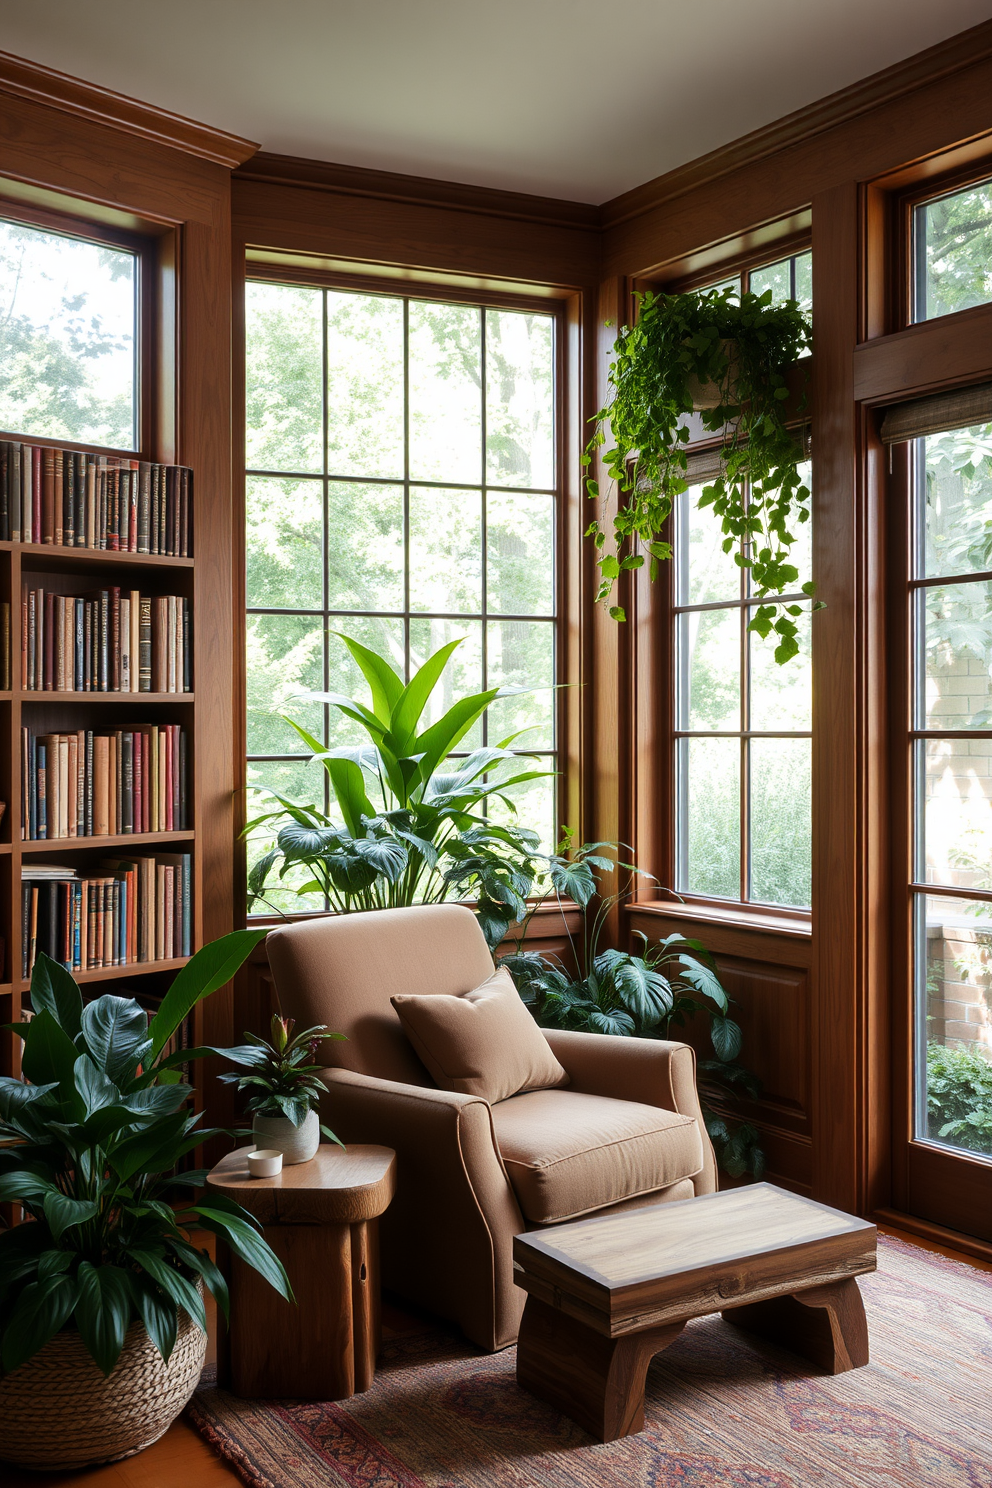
[(567, 1153)]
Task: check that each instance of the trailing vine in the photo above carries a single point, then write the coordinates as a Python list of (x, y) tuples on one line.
[(744, 346)]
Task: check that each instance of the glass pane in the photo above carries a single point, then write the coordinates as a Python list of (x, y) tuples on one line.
[(804, 281), (520, 554), (522, 654), (734, 283), (710, 824), (296, 780), (284, 541), (445, 551), (954, 996), (381, 635), (535, 805), (953, 252), (445, 393), (777, 277), (284, 352), (957, 786), (781, 696), (67, 338), (461, 677), (705, 572), (364, 385), (364, 547), (958, 510), (710, 669), (958, 656), (781, 821), (520, 449), (285, 657)]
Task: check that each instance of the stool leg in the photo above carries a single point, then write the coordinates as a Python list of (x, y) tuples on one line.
[(597, 1381), (825, 1324), (365, 1301)]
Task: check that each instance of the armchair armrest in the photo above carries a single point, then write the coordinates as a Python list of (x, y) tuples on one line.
[(448, 1231), (654, 1072)]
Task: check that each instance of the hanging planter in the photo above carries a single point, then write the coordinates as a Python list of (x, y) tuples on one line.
[(727, 359)]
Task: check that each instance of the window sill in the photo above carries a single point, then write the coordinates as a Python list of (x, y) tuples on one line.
[(748, 918)]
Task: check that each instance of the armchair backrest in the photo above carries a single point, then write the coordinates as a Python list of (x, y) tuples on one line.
[(342, 970)]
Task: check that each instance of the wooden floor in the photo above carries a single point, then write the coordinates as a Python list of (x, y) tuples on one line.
[(182, 1458)]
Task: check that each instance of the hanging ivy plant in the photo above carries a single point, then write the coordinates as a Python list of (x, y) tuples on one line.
[(727, 357)]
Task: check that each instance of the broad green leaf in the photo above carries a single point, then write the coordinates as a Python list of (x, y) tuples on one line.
[(103, 1312), (406, 712), (153, 1151), (348, 783), (213, 1278), (156, 1310), (172, 1283), (38, 1314), (63, 1213), (245, 1241), (437, 742), (210, 968), (49, 1055), (114, 1029), (21, 1184), (386, 685), (96, 1088), (52, 987), (726, 1036)]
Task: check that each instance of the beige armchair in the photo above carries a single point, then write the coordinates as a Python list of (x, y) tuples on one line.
[(627, 1129)]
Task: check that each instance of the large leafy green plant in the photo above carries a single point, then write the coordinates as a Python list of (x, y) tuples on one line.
[(745, 347), (91, 1138), (666, 987), (409, 823)]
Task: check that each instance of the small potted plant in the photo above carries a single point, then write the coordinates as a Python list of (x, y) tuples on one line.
[(102, 1319), (727, 358), (284, 1088)]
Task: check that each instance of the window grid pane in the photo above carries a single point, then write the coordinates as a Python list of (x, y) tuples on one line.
[(743, 727), (412, 556)]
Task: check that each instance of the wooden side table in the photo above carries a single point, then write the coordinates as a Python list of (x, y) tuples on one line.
[(320, 1217)]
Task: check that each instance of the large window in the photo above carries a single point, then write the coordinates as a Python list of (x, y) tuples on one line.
[(401, 490), (951, 733), (68, 338), (742, 722)]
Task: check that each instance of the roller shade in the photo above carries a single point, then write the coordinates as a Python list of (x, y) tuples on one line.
[(956, 410)]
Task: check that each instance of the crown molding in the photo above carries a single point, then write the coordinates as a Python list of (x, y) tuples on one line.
[(351, 180), (954, 55), (25, 79)]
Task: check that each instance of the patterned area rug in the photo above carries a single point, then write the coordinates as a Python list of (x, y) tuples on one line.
[(721, 1412)]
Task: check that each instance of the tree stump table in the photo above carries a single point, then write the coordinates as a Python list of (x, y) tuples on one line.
[(606, 1295), (321, 1219)]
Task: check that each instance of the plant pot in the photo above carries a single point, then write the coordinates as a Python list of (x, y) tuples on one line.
[(297, 1144), (58, 1410), (712, 394)]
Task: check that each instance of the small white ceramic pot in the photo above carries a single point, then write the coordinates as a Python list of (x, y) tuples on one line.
[(296, 1143)]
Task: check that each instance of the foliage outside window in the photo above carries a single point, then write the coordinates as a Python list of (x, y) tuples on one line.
[(952, 252), (68, 338), (401, 490), (951, 739), (743, 742)]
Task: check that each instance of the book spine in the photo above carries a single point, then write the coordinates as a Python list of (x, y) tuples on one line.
[(16, 485), (145, 644)]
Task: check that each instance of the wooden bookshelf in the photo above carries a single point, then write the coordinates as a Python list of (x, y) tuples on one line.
[(72, 571)]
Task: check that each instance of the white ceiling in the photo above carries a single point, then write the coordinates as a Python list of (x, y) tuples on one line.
[(579, 99)]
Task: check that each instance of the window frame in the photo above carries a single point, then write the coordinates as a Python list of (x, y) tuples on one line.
[(434, 291), (656, 705), (147, 373)]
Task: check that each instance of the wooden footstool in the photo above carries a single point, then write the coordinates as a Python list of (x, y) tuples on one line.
[(606, 1295), (320, 1217)]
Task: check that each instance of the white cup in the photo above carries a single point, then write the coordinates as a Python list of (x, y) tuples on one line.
[(264, 1162)]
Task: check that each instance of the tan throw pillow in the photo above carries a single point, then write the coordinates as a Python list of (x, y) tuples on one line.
[(482, 1042)]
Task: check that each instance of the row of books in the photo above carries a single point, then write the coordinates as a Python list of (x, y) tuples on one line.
[(107, 640), (123, 912), (76, 500), (86, 784)]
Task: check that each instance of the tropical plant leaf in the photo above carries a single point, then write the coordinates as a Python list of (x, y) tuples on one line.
[(40, 1311), (408, 708), (53, 988), (63, 1213), (114, 1029), (157, 1311), (386, 686), (726, 1037), (233, 1225), (212, 967), (96, 1088), (175, 1285), (102, 1312), (49, 1055)]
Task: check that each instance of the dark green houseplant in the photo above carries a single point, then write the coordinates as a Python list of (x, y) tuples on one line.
[(650, 995), (91, 1139), (727, 357)]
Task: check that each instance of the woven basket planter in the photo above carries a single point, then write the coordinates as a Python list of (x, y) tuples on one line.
[(58, 1411), (711, 394)]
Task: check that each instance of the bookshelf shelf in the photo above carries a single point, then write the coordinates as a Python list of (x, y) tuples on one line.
[(139, 699), (100, 844), (59, 574), (117, 973)]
